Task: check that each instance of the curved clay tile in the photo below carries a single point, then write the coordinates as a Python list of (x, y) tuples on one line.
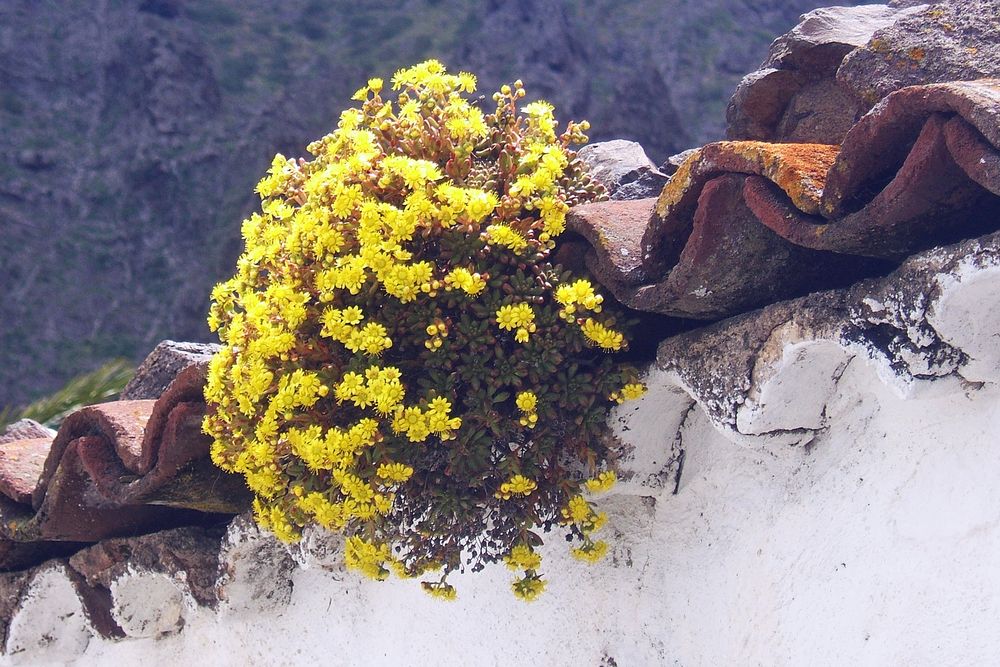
[(880, 142), (930, 200), (798, 169), (117, 468), (120, 422), (744, 223), (614, 230), (731, 263), (977, 157), (21, 464)]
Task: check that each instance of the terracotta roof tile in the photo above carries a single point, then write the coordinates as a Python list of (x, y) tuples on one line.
[(732, 263), (971, 151), (930, 200), (614, 229), (118, 468), (21, 464), (798, 169), (880, 142), (919, 170), (121, 422)]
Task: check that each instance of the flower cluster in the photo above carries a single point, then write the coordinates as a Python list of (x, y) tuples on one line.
[(402, 360), (527, 403), (629, 392)]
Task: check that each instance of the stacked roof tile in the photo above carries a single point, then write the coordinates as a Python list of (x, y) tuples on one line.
[(745, 223), (868, 134), (119, 468)]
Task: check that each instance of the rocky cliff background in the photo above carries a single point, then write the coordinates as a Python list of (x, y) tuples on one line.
[(134, 130)]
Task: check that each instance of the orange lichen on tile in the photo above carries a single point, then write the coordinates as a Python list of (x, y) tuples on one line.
[(798, 169), (677, 185)]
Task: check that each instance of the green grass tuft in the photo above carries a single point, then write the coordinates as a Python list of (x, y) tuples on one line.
[(99, 386)]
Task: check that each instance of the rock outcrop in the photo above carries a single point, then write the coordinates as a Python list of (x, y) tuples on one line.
[(623, 168), (794, 96), (954, 40)]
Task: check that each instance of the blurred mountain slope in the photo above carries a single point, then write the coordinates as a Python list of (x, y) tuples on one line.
[(134, 131)]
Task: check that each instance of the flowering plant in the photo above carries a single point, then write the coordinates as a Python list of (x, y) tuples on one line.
[(402, 362)]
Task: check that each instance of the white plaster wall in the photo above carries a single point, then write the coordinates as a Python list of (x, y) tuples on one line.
[(878, 544), (840, 507)]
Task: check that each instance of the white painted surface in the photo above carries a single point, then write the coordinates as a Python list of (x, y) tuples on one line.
[(879, 545), (873, 541), (50, 627), (968, 316), (148, 604)]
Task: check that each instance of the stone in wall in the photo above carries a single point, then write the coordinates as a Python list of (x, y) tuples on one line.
[(953, 40)]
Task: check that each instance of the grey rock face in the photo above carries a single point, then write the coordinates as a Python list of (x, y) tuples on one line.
[(551, 48), (674, 162), (794, 96), (889, 319), (823, 36), (624, 169), (189, 554), (162, 365), (24, 429), (955, 40)]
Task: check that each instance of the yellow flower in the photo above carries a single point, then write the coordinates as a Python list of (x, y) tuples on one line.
[(368, 558), (553, 213), (518, 485), (580, 292), (308, 445), (522, 557), (465, 280), (329, 515), (439, 405), (386, 393), (373, 339), (591, 552), (633, 390), (273, 518), (602, 482), (577, 510), (440, 590), (350, 386), (507, 237), (527, 401), (606, 338), (480, 204), (528, 588), (387, 235), (515, 316), (467, 82), (394, 472)]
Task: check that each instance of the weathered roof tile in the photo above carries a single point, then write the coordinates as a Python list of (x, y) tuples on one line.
[(921, 169), (21, 464), (113, 469)]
